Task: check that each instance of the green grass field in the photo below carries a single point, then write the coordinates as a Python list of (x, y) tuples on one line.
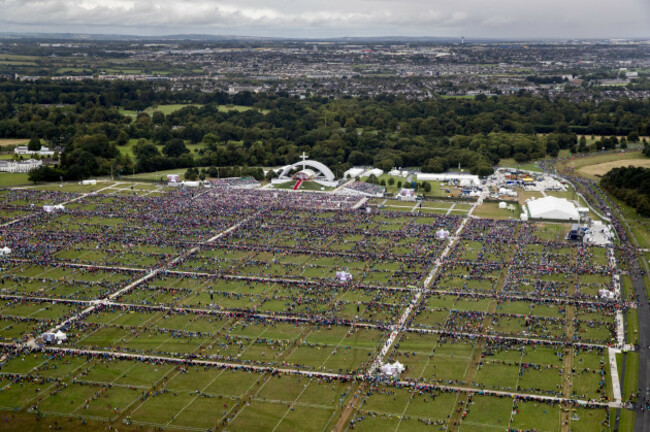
[(169, 109), (263, 294), (13, 179)]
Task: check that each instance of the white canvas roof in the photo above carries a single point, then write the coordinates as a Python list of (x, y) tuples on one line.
[(376, 171), (353, 172), (551, 207), (465, 180)]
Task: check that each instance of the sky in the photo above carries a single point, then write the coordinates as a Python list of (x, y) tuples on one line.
[(334, 18)]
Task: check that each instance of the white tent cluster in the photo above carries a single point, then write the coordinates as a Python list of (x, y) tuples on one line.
[(392, 369), (53, 208), (5, 251), (606, 294), (406, 195), (464, 180), (343, 276), (374, 171), (442, 234), (59, 337), (398, 173)]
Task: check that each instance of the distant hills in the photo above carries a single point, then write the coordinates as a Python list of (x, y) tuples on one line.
[(238, 38)]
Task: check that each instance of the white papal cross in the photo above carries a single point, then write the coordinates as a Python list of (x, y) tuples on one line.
[(304, 157)]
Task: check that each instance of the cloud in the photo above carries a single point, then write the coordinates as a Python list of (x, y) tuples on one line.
[(310, 18)]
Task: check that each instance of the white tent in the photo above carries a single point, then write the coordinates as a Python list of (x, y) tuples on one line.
[(406, 195), (5, 251), (376, 171), (554, 208), (606, 294), (52, 208), (353, 172), (57, 337), (502, 205), (343, 276), (392, 370), (465, 180), (442, 234)]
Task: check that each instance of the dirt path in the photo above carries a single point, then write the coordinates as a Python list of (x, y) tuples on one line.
[(350, 408)]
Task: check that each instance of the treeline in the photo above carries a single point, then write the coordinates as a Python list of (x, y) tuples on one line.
[(631, 185), (385, 131)]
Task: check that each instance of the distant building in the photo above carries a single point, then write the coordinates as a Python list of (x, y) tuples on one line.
[(20, 166), (464, 180), (44, 151)]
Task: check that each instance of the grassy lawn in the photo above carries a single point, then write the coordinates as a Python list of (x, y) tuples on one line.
[(600, 169), (13, 179), (492, 211), (582, 162), (169, 109), (13, 141)]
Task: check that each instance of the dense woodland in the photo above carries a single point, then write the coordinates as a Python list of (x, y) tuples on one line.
[(631, 185), (388, 131)]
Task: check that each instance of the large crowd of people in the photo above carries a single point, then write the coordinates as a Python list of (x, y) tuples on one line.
[(316, 226)]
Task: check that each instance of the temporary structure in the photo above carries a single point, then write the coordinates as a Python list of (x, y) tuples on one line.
[(442, 234), (53, 208), (343, 276), (406, 195), (551, 207), (606, 294), (392, 369), (57, 337), (5, 251)]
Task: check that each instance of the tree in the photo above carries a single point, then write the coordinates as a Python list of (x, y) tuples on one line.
[(158, 118), (122, 138), (34, 144), (175, 147), (391, 181), (582, 146), (191, 174), (427, 187), (484, 170), (633, 136), (44, 174), (433, 165), (145, 149), (162, 134), (386, 164)]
